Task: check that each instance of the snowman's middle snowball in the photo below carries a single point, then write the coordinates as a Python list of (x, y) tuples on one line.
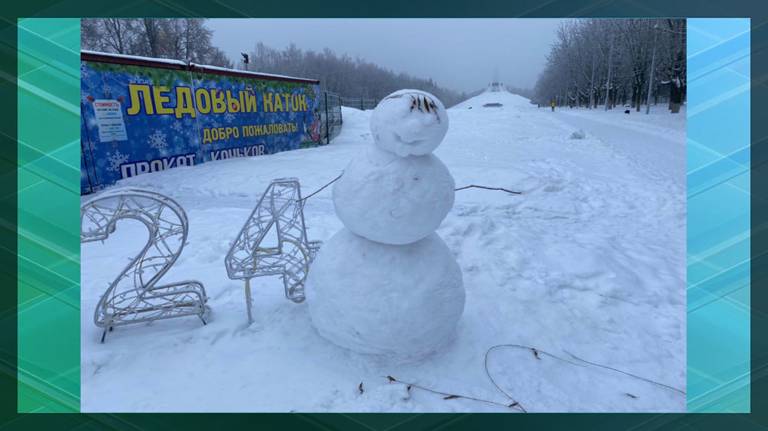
[(392, 199)]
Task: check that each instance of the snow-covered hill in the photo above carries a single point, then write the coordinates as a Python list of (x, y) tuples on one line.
[(589, 261), (504, 98)]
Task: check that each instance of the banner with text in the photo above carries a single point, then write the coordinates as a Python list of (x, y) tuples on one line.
[(139, 119)]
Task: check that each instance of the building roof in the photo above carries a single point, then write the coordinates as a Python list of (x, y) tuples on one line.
[(165, 63)]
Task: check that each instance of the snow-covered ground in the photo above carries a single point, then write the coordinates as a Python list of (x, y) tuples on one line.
[(588, 261)]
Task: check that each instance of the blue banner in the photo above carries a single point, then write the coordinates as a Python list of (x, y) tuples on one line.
[(140, 118)]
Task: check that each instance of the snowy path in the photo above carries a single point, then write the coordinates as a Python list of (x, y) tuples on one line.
[(612, 129), (590, 260)]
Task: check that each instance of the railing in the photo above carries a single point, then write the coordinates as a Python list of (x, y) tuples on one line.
[(330, 112), (361, 103)]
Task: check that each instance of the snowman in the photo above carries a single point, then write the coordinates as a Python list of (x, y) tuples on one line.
[(386, 283)]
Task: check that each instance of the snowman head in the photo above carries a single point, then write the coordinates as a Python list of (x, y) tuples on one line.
[(409, 122)]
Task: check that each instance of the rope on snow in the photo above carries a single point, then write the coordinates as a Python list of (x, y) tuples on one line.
[(537, 353), (471, 186)]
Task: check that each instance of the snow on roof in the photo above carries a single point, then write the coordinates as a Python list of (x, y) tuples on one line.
[(248, 72), (205, 67), (134, 57)]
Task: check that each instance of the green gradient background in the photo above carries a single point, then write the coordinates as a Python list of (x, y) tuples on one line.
[(48, 217), (48, 175)]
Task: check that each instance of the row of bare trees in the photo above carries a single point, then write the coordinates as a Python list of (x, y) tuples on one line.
[(343, 74), (609, 62), (177, 38), (189, 39)]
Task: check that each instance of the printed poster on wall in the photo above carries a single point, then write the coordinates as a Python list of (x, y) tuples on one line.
[(109, 120)]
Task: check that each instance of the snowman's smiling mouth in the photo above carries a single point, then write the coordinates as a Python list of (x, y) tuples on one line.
[(412, 143)]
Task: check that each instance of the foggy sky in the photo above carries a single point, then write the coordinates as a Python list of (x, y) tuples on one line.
[(460, 54)]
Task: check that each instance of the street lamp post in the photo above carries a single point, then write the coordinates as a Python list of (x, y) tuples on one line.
[(653, 66), (608, 81)]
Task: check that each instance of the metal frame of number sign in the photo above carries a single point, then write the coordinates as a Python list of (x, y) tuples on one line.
[(280, 206), (135, 295)]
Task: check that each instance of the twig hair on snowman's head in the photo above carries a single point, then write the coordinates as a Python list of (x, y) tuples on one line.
[(409, 122)]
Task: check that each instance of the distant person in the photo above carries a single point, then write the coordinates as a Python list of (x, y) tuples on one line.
[(552, 104)]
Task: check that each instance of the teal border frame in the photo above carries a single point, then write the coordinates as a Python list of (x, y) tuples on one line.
[(449, 8), (718, 173), (48, 215), (718, 242)]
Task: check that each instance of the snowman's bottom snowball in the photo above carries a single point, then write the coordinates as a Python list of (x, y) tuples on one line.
[(402, 301)]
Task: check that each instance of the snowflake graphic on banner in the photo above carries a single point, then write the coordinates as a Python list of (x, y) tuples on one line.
[(115, 160), (177, 126), (138, 79), (229, 117), (85, 73), (157, 141)]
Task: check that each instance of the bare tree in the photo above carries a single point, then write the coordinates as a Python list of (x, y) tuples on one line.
[(185, 39), (342, 74), (609, 61), (152, 33), (108, 34)]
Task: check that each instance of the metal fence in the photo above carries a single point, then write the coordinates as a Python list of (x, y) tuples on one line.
[(330, 113), (361, 103)]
